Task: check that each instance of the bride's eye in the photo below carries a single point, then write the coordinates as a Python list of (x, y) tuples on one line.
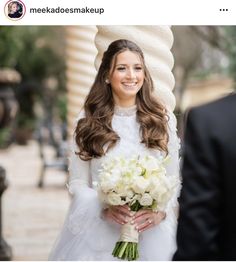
[(121, 68), (138, 68)]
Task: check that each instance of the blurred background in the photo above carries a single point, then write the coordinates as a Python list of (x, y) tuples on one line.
[(40, 96)]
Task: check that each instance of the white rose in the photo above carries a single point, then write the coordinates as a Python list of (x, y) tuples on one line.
[(137, 171), (116, 172), (153, 183), (158, 192), (114, 199), (121, 189), (140, 184), (129, 193), (146, 200), (162, 195), (149, 162), (160, 171), (107, 186), (109, 183)]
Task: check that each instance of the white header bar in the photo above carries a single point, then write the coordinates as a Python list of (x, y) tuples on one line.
[(122, 12)]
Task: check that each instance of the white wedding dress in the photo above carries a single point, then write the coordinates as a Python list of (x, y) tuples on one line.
[(85, 235)]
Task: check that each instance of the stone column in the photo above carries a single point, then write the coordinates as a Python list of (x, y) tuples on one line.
[(156, 42), (5, 249), (80, 53)]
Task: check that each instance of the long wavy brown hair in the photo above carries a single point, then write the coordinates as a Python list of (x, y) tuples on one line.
[(94, 134)]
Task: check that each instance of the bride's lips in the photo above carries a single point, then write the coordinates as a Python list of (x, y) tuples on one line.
[(129, 85)]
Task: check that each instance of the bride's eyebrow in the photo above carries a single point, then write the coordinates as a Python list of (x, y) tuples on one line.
[(138, 64)]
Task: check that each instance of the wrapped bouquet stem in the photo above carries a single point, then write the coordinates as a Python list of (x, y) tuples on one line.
[(127, 246), (141, 183)]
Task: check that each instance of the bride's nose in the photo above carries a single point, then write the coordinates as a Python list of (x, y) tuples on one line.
[(130, 74)]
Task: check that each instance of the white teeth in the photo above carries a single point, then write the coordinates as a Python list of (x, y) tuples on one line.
[(130, 84)]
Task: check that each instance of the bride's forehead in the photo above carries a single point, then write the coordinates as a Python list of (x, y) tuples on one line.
[(128, 57)]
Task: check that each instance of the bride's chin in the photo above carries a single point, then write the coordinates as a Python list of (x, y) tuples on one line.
[(130, 90)]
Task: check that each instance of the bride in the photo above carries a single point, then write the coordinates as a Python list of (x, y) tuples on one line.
[(121, 116)]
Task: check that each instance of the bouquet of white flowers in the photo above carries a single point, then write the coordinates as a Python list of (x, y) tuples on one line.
[(140, 182)]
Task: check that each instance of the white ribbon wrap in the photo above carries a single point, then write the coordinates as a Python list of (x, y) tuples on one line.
[(129, 233)]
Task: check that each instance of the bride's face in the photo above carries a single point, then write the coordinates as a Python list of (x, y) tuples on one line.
[(126, 78)]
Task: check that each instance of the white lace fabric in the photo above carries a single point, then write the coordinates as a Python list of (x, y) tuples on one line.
[(85, 236)]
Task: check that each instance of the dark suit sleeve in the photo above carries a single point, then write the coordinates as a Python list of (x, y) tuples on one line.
[(199, 219)]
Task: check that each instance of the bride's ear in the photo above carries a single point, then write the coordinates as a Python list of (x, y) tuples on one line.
[(107, 78)]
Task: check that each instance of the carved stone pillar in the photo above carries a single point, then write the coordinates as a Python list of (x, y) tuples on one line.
[(156, 42), (5, 249), (81, 53)]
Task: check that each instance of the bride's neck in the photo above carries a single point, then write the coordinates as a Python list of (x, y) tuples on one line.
[(125, 104)]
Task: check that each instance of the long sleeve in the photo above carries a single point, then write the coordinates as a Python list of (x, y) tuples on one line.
[(85, 198), (79, 171), (85, 206)]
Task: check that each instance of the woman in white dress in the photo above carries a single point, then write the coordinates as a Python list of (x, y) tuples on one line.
[(121, 117)]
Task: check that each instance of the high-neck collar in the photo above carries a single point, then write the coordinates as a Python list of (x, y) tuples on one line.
[(125, 111)]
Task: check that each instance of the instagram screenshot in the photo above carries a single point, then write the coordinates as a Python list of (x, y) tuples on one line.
[(117, 130)]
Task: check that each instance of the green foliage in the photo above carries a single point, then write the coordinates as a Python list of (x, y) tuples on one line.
[(62, 107), (33, 51), (37, 53), (24, 121), (5, 134), (230, 46), (203, 74)]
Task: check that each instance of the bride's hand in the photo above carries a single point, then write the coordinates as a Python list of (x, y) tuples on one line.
[(145, 219), (119, 214)]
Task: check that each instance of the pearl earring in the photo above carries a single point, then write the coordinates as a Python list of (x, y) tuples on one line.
[(107, 81)]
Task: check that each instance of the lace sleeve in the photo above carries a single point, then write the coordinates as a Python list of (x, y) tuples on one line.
[(79, 170), (173, 165)]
